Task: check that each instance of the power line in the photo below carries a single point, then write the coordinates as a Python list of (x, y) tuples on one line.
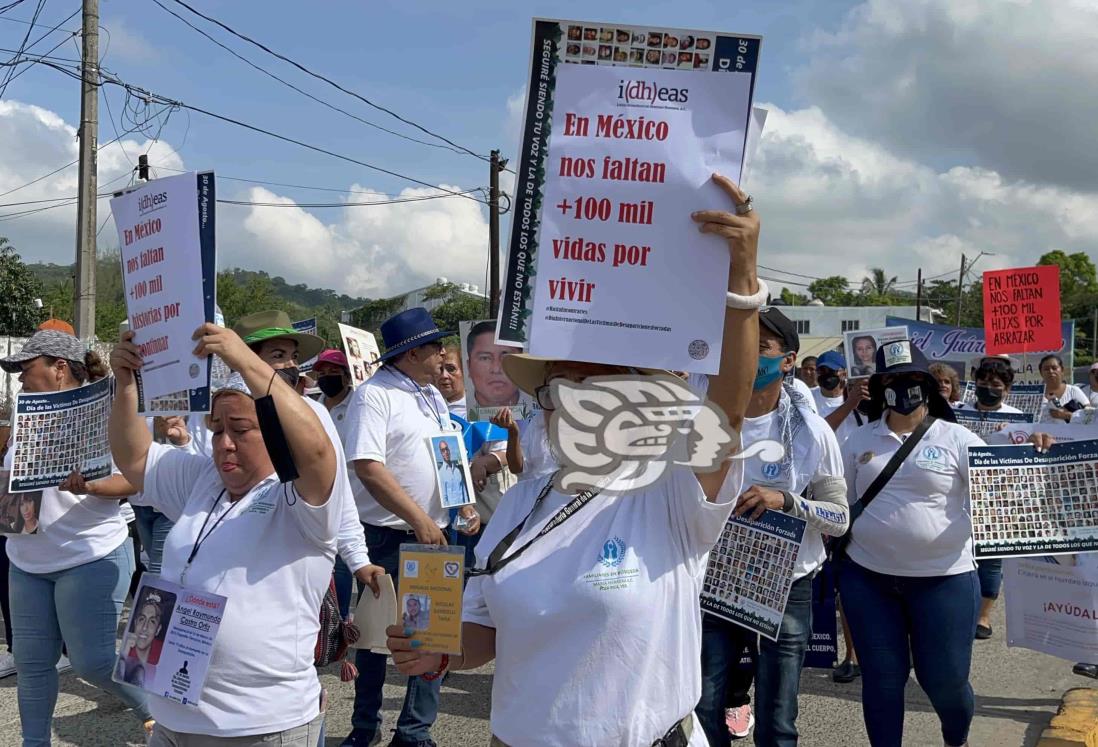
[(329, 81), (22, 47), (394, 201), (286, 83)]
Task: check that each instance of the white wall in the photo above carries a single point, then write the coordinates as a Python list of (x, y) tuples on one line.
[(827, 321)]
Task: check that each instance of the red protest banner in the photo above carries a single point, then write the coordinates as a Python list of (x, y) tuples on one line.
[(1022, 309)]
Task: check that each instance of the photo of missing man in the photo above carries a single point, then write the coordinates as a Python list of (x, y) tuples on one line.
[(487, 388), (416, 611), (145, 636), (455, 485)]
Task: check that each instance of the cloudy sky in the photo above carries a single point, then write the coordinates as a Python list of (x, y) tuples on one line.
[(901, 133)]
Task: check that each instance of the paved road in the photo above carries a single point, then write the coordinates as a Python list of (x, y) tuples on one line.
[(1017, 692)]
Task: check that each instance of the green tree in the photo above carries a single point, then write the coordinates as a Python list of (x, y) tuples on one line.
[(833, 291), (790, 298), (877, 287), (1077, 273), (18, 290)]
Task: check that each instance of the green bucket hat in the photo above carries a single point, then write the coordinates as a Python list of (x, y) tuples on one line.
[(272, 325)]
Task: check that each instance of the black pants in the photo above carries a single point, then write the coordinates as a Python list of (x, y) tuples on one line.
[(5, 607)]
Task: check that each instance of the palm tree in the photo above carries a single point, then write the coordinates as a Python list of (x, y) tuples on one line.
[(877, 285)]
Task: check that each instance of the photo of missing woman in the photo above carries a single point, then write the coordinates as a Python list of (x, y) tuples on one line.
[(145, 636), (417, 611), (19, 512)]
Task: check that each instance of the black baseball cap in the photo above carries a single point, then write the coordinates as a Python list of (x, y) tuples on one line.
[(778, 323)]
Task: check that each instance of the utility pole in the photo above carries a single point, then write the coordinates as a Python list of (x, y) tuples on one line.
[(919, 295), (960, 289), (88, 181), (496, 164)]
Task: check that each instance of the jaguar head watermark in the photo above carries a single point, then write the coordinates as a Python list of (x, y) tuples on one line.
[(616, 433)]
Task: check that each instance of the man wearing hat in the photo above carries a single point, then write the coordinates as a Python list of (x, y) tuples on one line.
[(837, 405), (389, 421), (811, 466)]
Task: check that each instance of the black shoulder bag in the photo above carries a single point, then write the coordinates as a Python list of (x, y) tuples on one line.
[(838, 547)]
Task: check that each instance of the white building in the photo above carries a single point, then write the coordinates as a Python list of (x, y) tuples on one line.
[(417, 296), (831, 321)]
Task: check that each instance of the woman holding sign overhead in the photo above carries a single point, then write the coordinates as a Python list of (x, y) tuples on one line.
[(268, 547), (596, 662), (69, 579)]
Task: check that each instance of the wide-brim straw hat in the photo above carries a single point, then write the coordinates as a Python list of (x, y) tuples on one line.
[(528, 372)]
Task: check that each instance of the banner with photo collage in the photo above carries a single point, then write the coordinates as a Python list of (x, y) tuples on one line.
[(750, 571), (1025, 397), (1025, 503)]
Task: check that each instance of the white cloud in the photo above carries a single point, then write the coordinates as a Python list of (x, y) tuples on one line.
[(121, 42), (1000, 84)]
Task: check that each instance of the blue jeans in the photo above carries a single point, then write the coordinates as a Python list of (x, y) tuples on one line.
[(990, 572), (421, 698), (777, 675), (899, 619), (80, 605), (152, 530), (345, 582)]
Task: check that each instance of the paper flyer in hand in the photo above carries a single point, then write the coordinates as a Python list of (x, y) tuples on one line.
[(362, 353), (750, 571), (1051, 605), (169, 640), (374, 614), (54, 433), (429, 597), (1026, 503), (623, 129)]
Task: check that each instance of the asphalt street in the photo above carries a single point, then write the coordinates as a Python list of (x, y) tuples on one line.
[(1017, 693)]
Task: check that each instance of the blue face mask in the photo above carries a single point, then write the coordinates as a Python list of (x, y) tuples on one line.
[(769, 371)]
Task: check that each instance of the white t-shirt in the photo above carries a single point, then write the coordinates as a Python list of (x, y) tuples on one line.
[(338, 414), (815, 454), (611, 653), (801, 387), (459, 408), (72, 530), (1089, 392), (1071, 393), (389, 421), (967, 407), (537, 457), (272, 558), (826, 405), (919, 524)]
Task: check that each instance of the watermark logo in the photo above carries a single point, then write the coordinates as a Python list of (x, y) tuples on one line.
[(616, 433)]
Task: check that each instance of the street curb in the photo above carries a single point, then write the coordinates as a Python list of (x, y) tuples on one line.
[(1076, 722)]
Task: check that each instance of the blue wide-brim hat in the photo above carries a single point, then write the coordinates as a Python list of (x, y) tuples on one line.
[(409, 329)]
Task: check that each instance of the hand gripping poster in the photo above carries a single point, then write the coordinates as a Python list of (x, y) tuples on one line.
[(623, 129)]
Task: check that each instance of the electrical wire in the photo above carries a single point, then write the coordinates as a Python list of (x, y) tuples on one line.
[(22, 47), (329, 81), (286, 83), (393, 201)]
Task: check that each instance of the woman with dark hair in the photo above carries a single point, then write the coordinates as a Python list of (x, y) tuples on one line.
[(69, 579), (949, 383), (28, 514), (909, 579), (863, 349), (1061, 398)]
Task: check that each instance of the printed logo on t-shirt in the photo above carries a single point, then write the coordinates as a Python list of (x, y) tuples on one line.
[(932, 458), (613, 552), (771, 470)]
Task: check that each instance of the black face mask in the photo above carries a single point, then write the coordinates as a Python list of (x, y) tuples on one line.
[(828, 381), (331, 384), (289, 375), (905, 395), (988, 397)]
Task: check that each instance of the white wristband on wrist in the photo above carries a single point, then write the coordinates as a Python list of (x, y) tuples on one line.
[(746, 303)]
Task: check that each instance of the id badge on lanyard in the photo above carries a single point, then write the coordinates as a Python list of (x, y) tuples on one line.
[(169, 640)]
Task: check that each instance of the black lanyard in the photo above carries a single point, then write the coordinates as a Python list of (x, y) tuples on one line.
[(201, 540), (496, 561)]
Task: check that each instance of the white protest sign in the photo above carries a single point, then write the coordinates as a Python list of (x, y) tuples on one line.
[(158, 231), (362, 352), (603, 210), (1051, 604)]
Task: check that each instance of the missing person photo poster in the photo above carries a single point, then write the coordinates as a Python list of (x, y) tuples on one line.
[(983, 423), (455, 485), (166, 234), (54, 433), (487, 388), (431, 580), (169, 639), (19, 512), (750, 571), (861, 346), (619, 143), (362, 352), (1025, 397), (1027, 503), (1051, 603)]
